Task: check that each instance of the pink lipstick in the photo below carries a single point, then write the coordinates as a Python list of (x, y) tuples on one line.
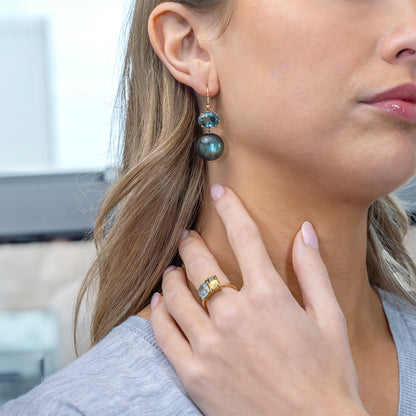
[(398, 102)]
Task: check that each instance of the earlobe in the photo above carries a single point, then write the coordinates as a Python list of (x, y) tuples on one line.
[(173, 33)]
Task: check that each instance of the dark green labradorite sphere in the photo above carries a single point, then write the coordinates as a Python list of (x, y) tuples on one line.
[(210, 146)]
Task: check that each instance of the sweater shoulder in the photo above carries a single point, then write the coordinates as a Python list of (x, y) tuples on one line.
[(124, 374), (399, 308)]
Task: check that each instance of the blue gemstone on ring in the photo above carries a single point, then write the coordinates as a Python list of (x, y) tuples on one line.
[(209, 120), (203, 290)]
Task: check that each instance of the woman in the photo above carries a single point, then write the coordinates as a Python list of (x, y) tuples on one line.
[(307, 139)]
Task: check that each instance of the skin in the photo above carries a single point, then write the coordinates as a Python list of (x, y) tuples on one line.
[(273, 356), (287, 79)]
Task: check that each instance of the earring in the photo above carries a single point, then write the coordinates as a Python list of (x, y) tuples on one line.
[(209, 146)]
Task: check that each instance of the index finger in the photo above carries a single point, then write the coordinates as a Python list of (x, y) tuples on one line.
[(244, 237)]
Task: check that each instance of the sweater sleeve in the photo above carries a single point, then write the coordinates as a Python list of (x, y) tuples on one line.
[(126, 374)]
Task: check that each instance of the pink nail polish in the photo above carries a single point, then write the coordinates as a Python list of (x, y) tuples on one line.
[(169, 269), (155, 300), (185, 234), (217, 191), (309, 236)]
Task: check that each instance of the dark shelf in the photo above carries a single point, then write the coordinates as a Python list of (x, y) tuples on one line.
[(51, 206)]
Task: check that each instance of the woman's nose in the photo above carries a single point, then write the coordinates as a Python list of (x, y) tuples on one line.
[(399, 46)]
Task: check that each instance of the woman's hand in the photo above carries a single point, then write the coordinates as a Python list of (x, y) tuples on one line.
[(257, 352)]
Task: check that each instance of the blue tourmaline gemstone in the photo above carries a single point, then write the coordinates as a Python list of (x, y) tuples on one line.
[(209, 120), (203, 290), (210, 146)]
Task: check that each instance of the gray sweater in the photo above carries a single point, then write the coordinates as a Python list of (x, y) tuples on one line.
[(127, 374)]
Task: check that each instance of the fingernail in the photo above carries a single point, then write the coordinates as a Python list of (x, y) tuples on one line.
[(169, 269), (185, 234), (155, 300), (217, 191), (309, 235)]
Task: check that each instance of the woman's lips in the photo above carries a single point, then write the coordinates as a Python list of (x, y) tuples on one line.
[(398, 102), (404, 110)]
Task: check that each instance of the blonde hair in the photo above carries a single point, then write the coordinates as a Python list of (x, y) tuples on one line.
[(159, 192)]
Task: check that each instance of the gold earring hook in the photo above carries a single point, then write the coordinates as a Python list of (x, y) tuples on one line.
[(208, 100)]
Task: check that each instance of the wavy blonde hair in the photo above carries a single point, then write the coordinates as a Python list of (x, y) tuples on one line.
[(162, 182)]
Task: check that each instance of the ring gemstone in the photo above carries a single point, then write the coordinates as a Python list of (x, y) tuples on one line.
[(209, 287), (203, 290)]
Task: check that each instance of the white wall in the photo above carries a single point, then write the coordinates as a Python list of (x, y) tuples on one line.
[(25, 133), (82, 66)]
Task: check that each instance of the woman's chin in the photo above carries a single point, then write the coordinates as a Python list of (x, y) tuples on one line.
[(364, 186), (385, 184), (386, 172), (398, 171)]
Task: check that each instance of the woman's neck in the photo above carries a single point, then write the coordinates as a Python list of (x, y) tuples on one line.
[(279, 212)]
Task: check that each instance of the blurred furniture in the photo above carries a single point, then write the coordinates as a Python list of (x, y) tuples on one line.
[(50, 206), (39, 283), (28, 352), (44, 256)]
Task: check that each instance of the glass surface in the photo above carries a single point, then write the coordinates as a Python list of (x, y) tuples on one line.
[(20, 372), (27, 351)]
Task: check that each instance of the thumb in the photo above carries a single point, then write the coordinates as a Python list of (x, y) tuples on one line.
[(318, 296)]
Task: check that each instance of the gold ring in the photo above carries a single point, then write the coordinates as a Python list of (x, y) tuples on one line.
[(210, 286)]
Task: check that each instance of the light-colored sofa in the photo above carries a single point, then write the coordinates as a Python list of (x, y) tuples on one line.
[(47, 277)]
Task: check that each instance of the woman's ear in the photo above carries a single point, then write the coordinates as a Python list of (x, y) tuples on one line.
[(173, 31)]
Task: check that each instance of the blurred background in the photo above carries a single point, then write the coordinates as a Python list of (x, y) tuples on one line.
[(59, 67)]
